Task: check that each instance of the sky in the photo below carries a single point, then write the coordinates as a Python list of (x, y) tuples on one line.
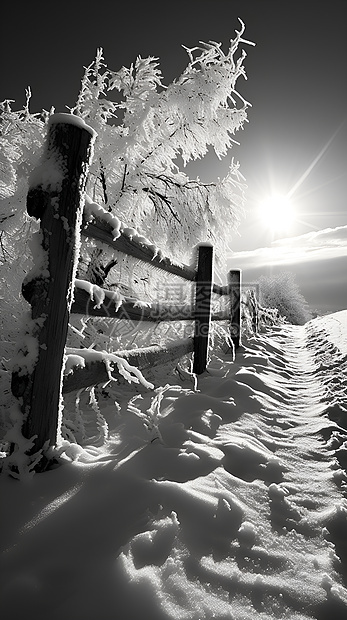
[(295, 143)]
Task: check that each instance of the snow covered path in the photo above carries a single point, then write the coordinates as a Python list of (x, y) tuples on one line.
[(226, 502)]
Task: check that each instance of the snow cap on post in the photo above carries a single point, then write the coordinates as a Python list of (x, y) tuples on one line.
[(71, 119)]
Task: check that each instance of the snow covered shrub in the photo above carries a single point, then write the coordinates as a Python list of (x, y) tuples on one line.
[(282, 292)]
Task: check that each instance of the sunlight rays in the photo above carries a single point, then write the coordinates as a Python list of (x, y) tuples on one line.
[(314, 162)]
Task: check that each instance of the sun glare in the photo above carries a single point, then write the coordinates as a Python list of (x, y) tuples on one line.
[(276, 212)]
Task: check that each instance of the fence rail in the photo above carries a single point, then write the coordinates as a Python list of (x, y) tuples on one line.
[(57, 199), (102, 230), (96, 370)]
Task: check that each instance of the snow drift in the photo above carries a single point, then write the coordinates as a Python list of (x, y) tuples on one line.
[(221, 501)]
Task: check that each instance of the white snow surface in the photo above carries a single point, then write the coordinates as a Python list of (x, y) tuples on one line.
[(71, 119), (92, 209), (227, 502)]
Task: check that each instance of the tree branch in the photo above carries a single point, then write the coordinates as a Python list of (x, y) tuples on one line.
[(164, 199)]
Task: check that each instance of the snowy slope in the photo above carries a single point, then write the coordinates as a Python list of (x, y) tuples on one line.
[(225, 502)]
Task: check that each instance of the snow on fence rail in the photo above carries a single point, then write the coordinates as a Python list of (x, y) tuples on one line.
[(57, 197)]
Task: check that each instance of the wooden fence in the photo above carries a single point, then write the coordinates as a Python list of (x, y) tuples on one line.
[(57, 199)]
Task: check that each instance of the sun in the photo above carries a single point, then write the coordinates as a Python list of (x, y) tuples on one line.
[(276, 212)]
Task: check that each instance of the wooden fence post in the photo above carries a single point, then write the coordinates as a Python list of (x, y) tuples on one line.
[(202, 307), (57, 200), (234, 280), (255, 314)]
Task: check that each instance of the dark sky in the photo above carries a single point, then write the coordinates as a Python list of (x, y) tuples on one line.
[(297, 83)]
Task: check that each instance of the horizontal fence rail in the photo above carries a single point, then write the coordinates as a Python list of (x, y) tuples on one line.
[(131, 310), (102, 230), (96, 370)]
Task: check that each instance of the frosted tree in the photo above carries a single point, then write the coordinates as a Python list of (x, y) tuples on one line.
[(21, 140), (148, 132), (282, 292)]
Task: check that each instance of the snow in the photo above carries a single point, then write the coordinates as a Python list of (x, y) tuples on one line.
[(24, 361), (226, 501), (50, 173), (97, 294), (78, 357), (39, 258), (71, 119), (94, 210)]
